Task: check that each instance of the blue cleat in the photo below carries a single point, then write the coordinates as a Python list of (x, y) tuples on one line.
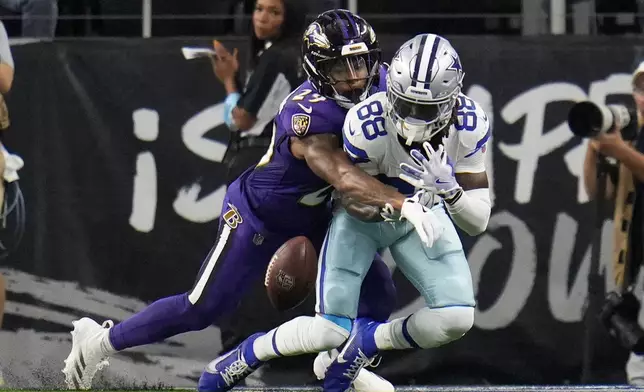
[(359, 351), (228, 370)]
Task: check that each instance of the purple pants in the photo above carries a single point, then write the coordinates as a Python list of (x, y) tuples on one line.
[(236, 262)]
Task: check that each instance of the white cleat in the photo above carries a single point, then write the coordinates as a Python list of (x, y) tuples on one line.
[(365, 382), (86, 357)]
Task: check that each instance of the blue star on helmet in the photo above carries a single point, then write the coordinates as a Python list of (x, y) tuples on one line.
[(456, 64)]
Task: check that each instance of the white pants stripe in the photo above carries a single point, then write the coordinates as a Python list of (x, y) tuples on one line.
[(196, 292)]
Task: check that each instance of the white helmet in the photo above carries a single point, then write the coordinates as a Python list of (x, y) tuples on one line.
[(423, 83)]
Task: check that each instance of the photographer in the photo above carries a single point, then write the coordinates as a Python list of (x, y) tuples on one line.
[(626, 187), (274, 70)]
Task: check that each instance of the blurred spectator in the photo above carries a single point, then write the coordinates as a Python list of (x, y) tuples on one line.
[(274, 70), (241, 8), (39, 17)]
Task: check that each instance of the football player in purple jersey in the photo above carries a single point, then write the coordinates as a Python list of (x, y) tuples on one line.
[(286, 194)]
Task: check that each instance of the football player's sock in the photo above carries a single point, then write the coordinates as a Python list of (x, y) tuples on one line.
[(106, 344), (162, 319), (301, 335), (426, 328), (390, 336)]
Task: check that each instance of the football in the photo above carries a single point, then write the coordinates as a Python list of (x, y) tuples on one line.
[(290, 276)]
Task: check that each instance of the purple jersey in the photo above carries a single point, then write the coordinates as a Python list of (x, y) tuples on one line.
[(281, 191), (268, 204)]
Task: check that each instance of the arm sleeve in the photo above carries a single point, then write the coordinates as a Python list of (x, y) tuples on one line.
[(229, 104), (471, 212)]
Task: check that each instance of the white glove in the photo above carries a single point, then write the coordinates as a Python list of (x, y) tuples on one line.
[(426, 223), (434, 173), (389, 214)]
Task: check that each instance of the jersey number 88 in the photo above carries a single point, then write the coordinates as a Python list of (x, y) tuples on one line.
[(373, 124)]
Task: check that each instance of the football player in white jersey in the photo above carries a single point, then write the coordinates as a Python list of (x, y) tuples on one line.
[(383, 135), (423, 106)]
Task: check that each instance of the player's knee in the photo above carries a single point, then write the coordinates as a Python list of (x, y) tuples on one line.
[(199, 315), (436, 327), (458, 322)]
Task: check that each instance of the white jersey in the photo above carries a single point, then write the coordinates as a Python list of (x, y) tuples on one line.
[(371, 140)]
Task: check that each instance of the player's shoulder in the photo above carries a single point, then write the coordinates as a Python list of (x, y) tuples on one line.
[(472, 123), (467, 104), (305, 112), (365, 125)]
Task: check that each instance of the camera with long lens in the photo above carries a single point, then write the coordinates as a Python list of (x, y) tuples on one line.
[(619, 315), (588, 119)]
